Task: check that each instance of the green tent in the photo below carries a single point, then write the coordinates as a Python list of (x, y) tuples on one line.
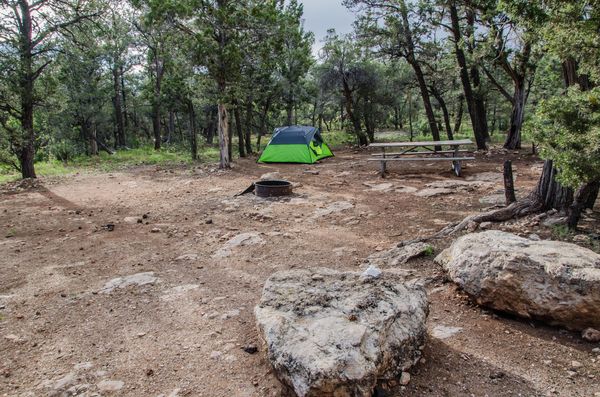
[(295, 144)]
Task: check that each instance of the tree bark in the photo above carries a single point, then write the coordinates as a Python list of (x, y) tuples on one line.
[(440, 100), (513, 139), (26, 148), (349, 102), (224, 161), (459, 115), (581, 201), (472, 106), (238, 127), (118, 107), (509, 183), (248, 125), (192, 132)]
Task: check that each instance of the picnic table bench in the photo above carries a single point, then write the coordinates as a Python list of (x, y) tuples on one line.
[(430, 151)]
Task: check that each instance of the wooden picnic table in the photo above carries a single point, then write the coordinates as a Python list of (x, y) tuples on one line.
[(428, 150)]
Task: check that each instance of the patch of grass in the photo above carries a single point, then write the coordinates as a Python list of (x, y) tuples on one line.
[(429, 251), (105, 162), (561, 232), (10, 233)]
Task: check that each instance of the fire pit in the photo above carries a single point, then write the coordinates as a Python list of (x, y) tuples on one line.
[(273, 188)]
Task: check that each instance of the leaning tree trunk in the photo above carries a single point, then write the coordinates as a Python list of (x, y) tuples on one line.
[(440, 100), (435, 132)]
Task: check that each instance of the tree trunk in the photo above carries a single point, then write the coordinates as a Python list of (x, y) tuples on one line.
[(124, 95), (435, 132), (440, 100), (239, 130), (26, 148), (550, 193), (459, 115), (224, 162), (472, 106), (171, 126), (290, 112), (248, 126), (192, 132), (263, 123), (581, 201), (513, 140), (509, 184), (117, 105), (360, 135)]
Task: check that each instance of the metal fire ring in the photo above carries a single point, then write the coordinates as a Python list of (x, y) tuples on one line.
[(273, 188)]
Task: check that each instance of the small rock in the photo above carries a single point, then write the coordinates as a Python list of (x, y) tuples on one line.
[(485, 225), (591, 335), (444, 332), (155, 230), (110, 385), (576, 365), (132, 220), (138, 279), (405, 378), (372, 272), (215, 355), (208, 221), (187, 257), (534, 237)]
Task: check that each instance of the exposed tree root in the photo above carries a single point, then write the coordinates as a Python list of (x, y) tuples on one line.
[(528, 206)]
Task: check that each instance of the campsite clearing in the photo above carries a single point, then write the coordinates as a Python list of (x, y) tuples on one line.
[(143, 282)]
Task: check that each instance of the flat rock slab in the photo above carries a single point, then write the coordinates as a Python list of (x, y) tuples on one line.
[(434, 191), (398, 256), (241, 240), (138, 280), (379, 187), (333, 208), (552, 281), (339, 334), (444, 332), (493, 199)]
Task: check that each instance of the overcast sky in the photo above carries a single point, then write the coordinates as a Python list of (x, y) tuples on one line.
[(321, 15)]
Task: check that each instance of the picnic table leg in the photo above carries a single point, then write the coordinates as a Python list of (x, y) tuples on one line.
[(456, 165)]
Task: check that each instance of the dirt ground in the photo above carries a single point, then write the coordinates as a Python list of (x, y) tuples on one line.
[(72, 321)]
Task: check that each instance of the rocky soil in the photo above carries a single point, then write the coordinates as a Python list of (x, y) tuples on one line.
[(143, 282)]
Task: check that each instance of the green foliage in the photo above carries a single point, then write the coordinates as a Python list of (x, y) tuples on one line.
[(10, 233), (429, 251), (568, 128), (561, 232), (63, 151)]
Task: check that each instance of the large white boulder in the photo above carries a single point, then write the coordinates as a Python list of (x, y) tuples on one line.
[(548, 280), (338, 334)]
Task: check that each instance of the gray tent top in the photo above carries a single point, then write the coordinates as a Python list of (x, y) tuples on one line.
[(296, 134)]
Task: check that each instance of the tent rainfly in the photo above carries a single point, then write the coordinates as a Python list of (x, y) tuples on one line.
[(295, 144)]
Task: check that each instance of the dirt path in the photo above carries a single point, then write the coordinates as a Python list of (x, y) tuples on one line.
[(164, 307)]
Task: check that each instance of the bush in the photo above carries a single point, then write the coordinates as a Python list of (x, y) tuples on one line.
[(63, 151)]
